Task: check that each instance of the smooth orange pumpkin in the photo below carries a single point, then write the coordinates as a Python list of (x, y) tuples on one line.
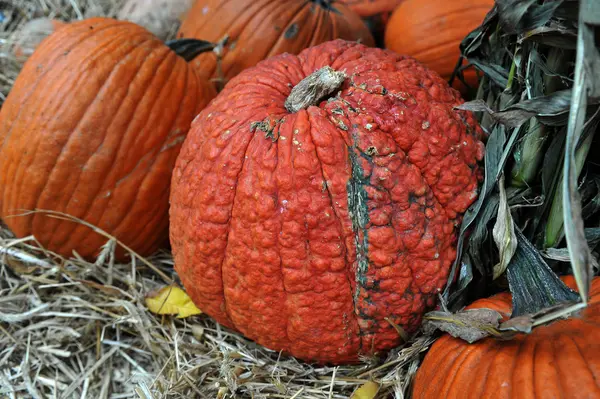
[(369, 8), (92, 128), (431, 31), (559, 360), (258, 29)]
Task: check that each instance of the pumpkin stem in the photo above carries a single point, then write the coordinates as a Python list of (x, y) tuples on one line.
[(534, 286), (188, 49), (314, 88)]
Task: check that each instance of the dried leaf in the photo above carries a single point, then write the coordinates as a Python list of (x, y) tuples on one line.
[(573, 221), (553, 35), (470, 325), (519, 15), (465, 276), (171, 300), (495, 72), (504, 233), (493, 166), (522, 324), (550, 110), (368, 390)]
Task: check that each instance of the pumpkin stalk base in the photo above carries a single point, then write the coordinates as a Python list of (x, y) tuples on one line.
[(188, 49), (534, 286), (314, 88)]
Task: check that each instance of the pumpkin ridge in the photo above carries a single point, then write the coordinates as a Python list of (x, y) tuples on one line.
[(455, 367), (473, 353), (443, 352), (346, 249), (19, 165), (85, 213), (166, 188), (70, 138), (488, 368), (33, 84), (140, 240), (521, 344), (293, 17), (554, 365), (227, 238), (533, 372), (584, 360), (70, 196), (266, 9), (273, 43), (318, 23)]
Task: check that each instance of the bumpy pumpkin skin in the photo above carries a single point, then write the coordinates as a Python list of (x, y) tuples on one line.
[(258, 29), (92, 128), (305, 234), (431, 31), (560, 360)]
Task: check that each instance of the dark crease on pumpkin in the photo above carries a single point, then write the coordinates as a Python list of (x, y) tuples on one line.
[(326, 189), (359, 215)]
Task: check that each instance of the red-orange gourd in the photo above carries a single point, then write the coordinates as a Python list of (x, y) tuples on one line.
[(258, 29), (309, 227), (431, 31), (92, 128), (559, 360)]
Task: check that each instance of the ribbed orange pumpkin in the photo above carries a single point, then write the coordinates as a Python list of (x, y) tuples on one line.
[(312, 228), (559, 360), (431, 31), (258, 29), (92, 128)]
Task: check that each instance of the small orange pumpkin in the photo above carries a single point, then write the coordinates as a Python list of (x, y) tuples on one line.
[(92, 128), (431, 31), (559, 360), (259, 29)]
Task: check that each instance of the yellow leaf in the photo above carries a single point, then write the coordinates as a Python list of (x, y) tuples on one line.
[(171, 300), (368, 390)]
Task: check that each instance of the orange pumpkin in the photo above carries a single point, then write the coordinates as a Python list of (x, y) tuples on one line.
[(369, 8), (258, 29), (559, 360), (92, 128), (431, 32)]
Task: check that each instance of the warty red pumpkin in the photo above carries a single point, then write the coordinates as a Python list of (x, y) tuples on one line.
[(258, 29), (92, 128), (311, 224), (558, 360)]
